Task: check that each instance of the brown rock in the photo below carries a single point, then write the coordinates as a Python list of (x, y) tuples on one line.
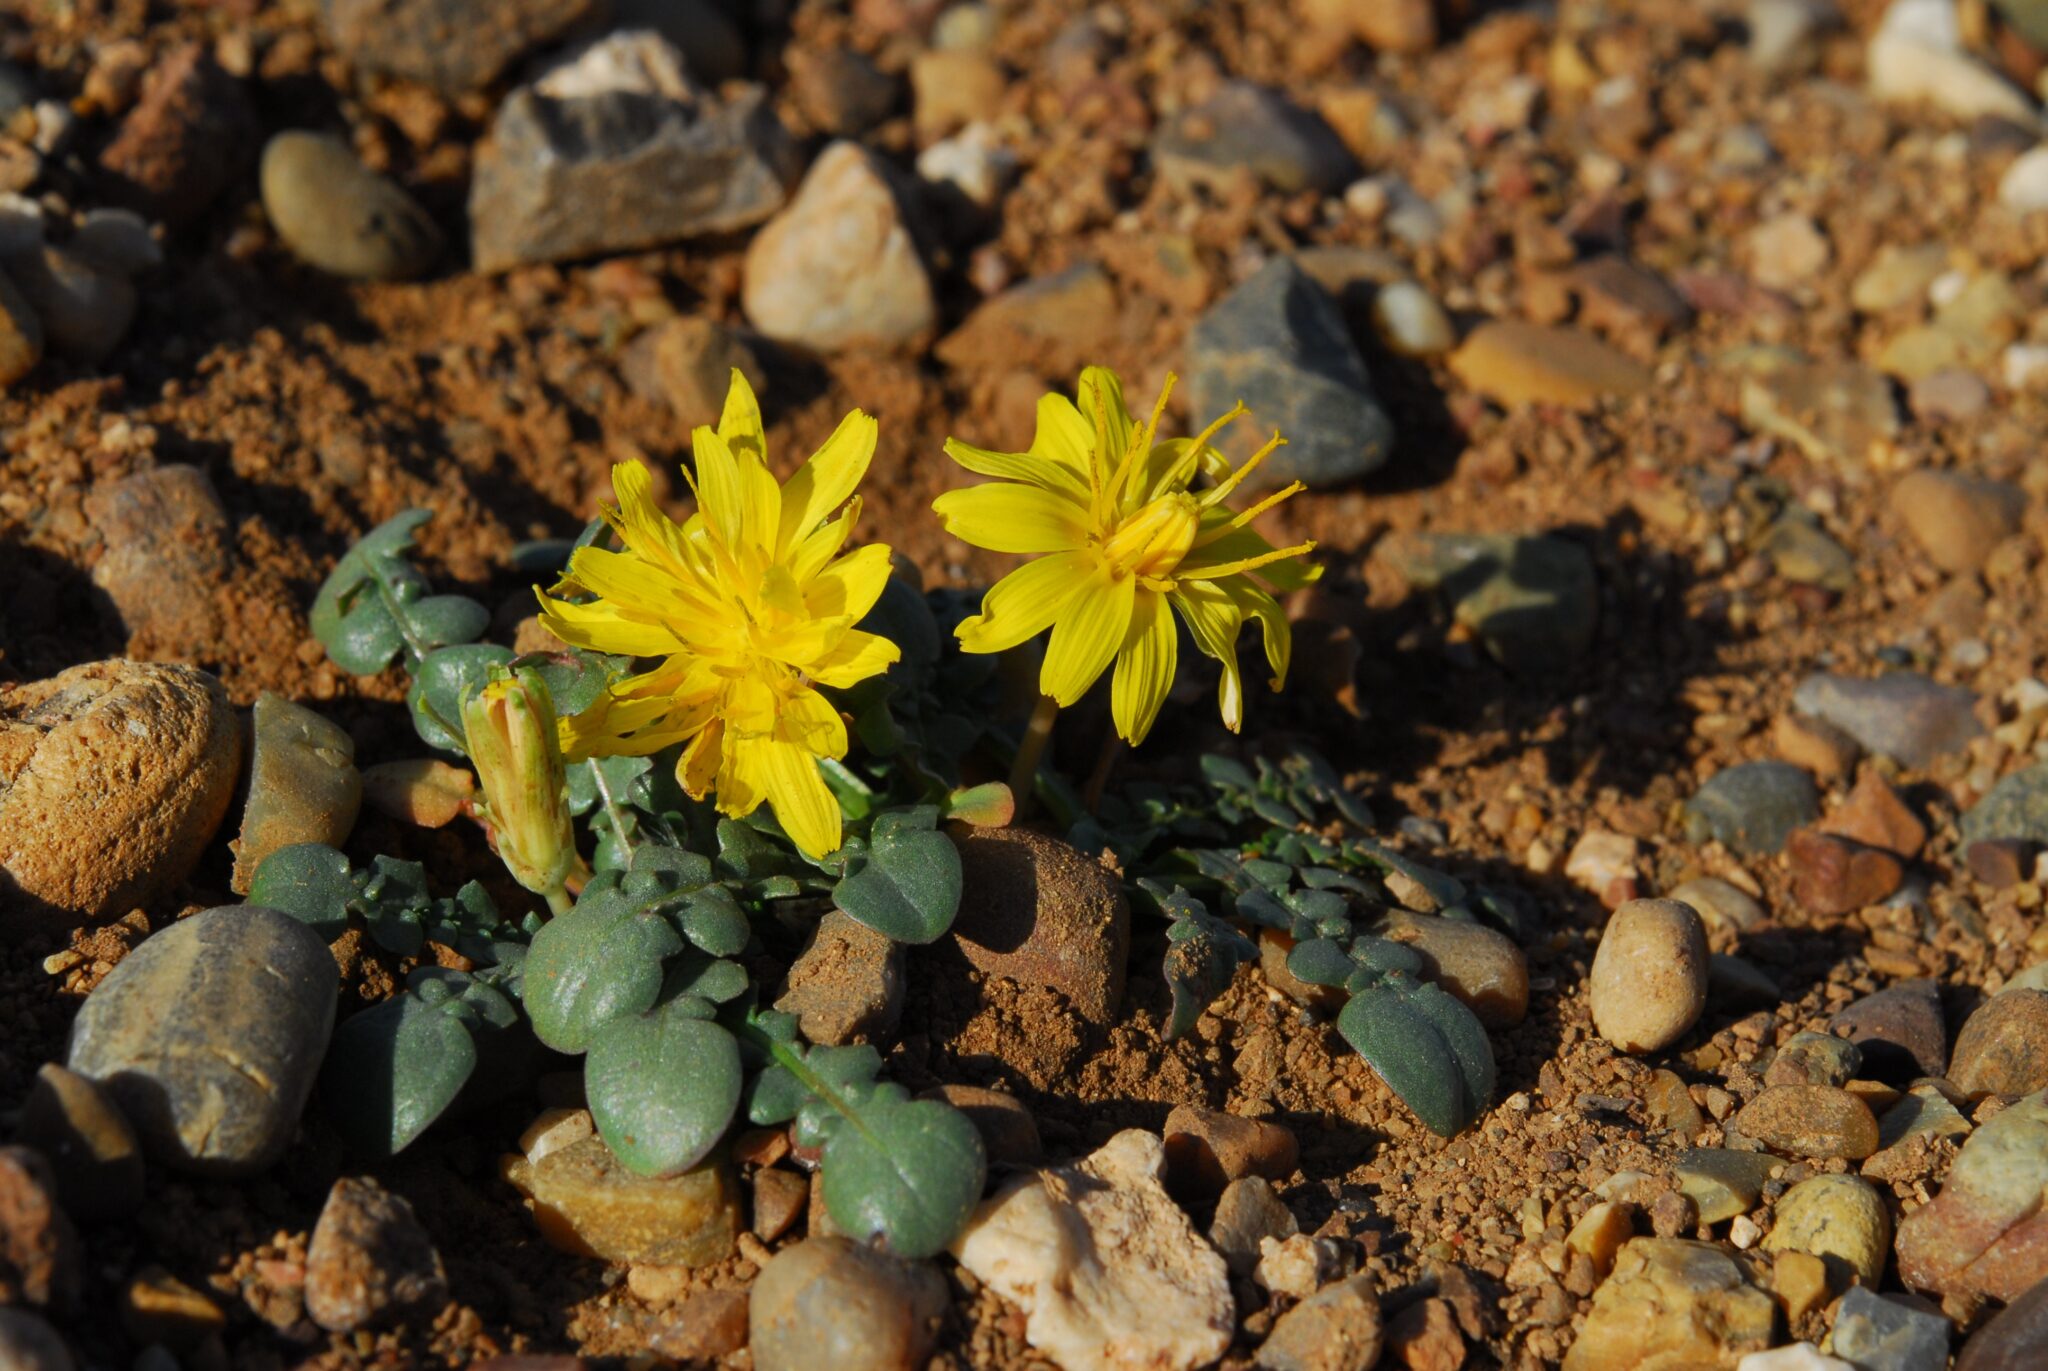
[(1669, 1105), (40, 1254), (1247, 1215), (86, 1139), (1986, 1233), (1875, 816), (839, 90), (303, 784), (185, 139), (1207, 1149), (451, 45), (829, 1302), (709, 1325), (587, 1203), (1274, 945), (1529, 364), (113, 778), (421, 790), (1900, 1030), (1425, 1337), (1620, 296), (693, 362), (1818, 1121), (2003, 1048), (1672, 1304), (779, 1200), (2001, 863), (847, 984), (370, 1263), (1339, 1328), (1035, 910), (1406, 26), (1831, 875), (1649, 978), (1800, 1281), (1006, 1126), (1479, 965), (2012, 1341), (166, 558), (1049, 323), (1957, 518), (950, 88), (1815, 744)]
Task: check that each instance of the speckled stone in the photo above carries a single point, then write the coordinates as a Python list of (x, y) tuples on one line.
[(1816, 1121)]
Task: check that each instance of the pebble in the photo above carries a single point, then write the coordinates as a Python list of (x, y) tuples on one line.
[(1800, 551), (1278, 343), (156, 1307), (1840, 1219), (1048, 323), (707, 1327), (118, 239), (1904, 716), (1898, 276), (847, 985), (41, 1258), (839, 90), (1649, 976), (1668, 1105), (780, 1198), (452, 45), (1260, 130), (690, 362), (338, 216), (1299, 1266), (303, 784), (1481, 966), (113, 778), (1248, 1215), (1816, 1121), (1814, 1059), (1339, 1328), (1900, 1030), (21, 334), (209, 1036), (951, 88), (166, 539), (1533, 600), (1516, 364), (1783, 34), (1922, 1115), (1105, 1267), (587, 1203), (1006, 1125), (424, 791), (1800, 1283), (2013, 1339), (1753, 807), (1798, 1356), (1601, 1233), (1831, 875), (1675, 1302), (2015, 808), (973, 162), (28, 1343), (184, 141), (1726, 909), (1875, 815), (85, 308), (1956, 517), (1987, 1231), (1425, 1337), (1621, 296), (837, 266), (2024, 186), (1832, 411), (1207, 1149), (830, 1302), (1787, 252), (369, 1263), (1037, 911), (91, 1150), (1886, 1333), (617, 150), (1917, 57), (1722, 1182), (1949, 397), (2003, 1047), (1410, 322)]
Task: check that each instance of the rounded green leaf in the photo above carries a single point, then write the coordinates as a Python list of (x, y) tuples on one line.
[(392, 1070), (439, 684), (1320, 961), (663, 1088), (908, 886), (905, 1175), (309, 881), (600, 961), (1426, 1046)]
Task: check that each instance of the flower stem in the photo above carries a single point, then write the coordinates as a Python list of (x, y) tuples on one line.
[(1031, 750), (1098, 780)]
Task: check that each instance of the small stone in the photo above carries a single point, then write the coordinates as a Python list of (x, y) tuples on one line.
[(2015, 808), (1815, 745), (1726, 909), (1249, 1215), (830, 1302), (588, 1204), (618, 150), (1259, 130), (1278, 343), (1799, 550), (370, 1264), (1921, 1116), (708, 1326), (1886, 1333), (157, 1307), (1814, 1059), (1800, 1281), (1900, 1030), (1480, 966), (1106, 1268), (1649, 977), (1753, 807), (1673, 1214), (1875, 816), (1722, 1182), (2003, 1048), (1788, 252), (166, 557), (1987, 1231), (2000, 863), (21, 334), (2024, 186), (1534, 601), (1005, 1124), (1298, 1266), (840, 91), (1410, 322), (1624, 297), (303, 785), (186, 138), (1519, 364), (424, 790), (2013, 1339), (1050, 324), (1783, 34), (837, 267), (1898, 276), (209, 1036), (452, 45), (1949, 396), (1798, 1356), (1832, 411), (846, 986), (90, 1148), (554, 1130), (340, 217), (1917, 57), (974, 162), (1600, 1233), (40, 1255), (1815, 1121), (1669, 1105), (1339, 1328), (1839, 1219), (1904, 716), (28, 1343), (1955, 517), (1425, 1337), (779, 1201), (1207, 1149), (85, 308), (119, 239), (1035, 910), (950, 89), (1672, 1302), (1835, 876)]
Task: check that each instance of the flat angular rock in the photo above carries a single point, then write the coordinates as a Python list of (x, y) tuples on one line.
[(586, 1202), (1957, 517), (2003, 1047), (1904, 716), (2013, 1339), (1278, 343), (1258, 129), (1887, 1333), (187, 137), (1672, 1302), (303, 784), (2016, 808), (1900, 1030), (1534, 601), (1922, 1115), (209, 1036), (1247, 1215), (451, 45), (617, 153), (1987, 1231), (1206, 1149), (370, 1263), (1037, 911), (1339, 1328), (90, 1148), (166, 558), (1817, 1121), (1753, 806), (847, 985), (1048, 323)]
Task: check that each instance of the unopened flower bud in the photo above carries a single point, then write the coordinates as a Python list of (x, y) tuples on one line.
[(509, 726)]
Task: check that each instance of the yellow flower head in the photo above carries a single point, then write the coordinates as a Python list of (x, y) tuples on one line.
[(749, 606), (1109, 503)]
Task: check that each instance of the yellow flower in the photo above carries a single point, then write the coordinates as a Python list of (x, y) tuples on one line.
[(1109, 505), (750, 607)]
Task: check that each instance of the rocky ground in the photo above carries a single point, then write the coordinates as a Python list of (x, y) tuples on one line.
[(1669, 377)]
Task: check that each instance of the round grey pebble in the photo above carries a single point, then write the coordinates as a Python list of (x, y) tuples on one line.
[(831, 1302), (338, 215)]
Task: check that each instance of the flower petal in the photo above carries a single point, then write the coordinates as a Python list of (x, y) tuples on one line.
[(1090, 630), (1013, 518), (605, 627), (1065, 437), (851, 585), (1024, 603), (853, 659), (1145, 667), (697, 769), (803, 804), (1028, 467), (740, 423), (809, 720), (1214, 619), (721, 498), (827, 480), (1273, 625)]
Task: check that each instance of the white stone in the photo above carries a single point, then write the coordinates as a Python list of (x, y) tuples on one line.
[(1744, 1232), (2025, 366), (2024, 187), (1600, 859), (1108, 1270), (1298, 1265), (973, 160), (634, 62), (1411, 322), (1798, 1356), (1917, 55), (1780, 31)]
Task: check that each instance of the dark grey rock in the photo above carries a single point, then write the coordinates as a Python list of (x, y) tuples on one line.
[(624, 168), (1886, 1333), (451, 45), (1534, 601), (17, 90), (85, 308), (303, 784), (1900, 1030), (28, 1343), (2017, 807), (1278, 343), (1753, 806), (209, 1036), (336, 214), (1251, 126), (91, 1149), (2012, 1341), (1905, 715), (711, 44)]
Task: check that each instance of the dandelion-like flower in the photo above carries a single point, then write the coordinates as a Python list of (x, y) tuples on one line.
[(1123, 535), (750, 606)]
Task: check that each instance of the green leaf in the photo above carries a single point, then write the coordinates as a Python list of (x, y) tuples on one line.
[(907, 887), (309, 881), (600, 961), (1426, 1046), (990, 805), (1445, 889), (374, 603), (663, 1088), (1320, 961), (904, 1175), (393, 1069), (440, 682), (575, 679), (714, 923)]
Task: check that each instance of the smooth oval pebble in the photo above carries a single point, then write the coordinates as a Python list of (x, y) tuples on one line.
[(338, 215), (1411, 322), (1649, 978), (1816, 1121), (85, 308), (303, 784), (209, 1036), (830, 1302), (1840, 1219), (1479, 965)]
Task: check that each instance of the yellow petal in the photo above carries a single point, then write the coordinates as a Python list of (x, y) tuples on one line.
[(1089, 631), (701, 761), (742, 781), (1029, 468), (851, 585), (1214, 619), (721, 497), (827, 481), (640, 520), (822, 543), (1063, 436), (1144, 669), (803, 804), (809, 720), (751, 706), (1025, 603), (1244, 545), (761, 515), (740, 423), (631, 583), (853, 659), (605, 627), (1013, 518), (1273, 625)]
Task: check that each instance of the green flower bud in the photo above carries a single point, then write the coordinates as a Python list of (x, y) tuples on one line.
[(509, 727)]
